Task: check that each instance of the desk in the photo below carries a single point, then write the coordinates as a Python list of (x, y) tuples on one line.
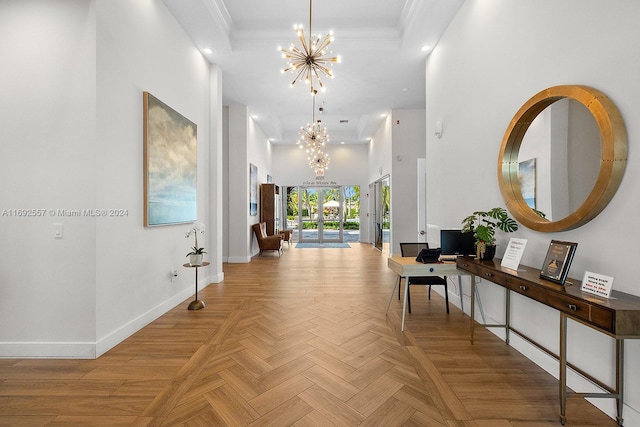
[(196, 304), (408, 267), (618, 317)]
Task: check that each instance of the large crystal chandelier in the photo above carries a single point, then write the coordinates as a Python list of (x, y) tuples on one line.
[(313, 136), (312, 59)]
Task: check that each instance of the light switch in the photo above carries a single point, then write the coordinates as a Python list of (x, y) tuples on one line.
[(57, 230), (438, 129)]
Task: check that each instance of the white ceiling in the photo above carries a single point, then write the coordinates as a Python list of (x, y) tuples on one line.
[(380, 43)]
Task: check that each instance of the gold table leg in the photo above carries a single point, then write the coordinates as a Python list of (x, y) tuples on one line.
[(563, 368), (196, 304)]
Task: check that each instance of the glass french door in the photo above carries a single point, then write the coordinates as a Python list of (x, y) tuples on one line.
[(381, 213), (320, 214)]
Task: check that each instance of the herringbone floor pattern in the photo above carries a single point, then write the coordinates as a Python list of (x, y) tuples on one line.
[(299, 340)]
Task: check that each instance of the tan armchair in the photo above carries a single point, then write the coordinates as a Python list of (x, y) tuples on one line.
[(286, 235), (267, 243)]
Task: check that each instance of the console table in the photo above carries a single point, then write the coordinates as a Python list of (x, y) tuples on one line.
[(618, 317)]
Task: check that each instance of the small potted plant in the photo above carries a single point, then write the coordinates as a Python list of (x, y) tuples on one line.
[(196, 254), (483, 226)]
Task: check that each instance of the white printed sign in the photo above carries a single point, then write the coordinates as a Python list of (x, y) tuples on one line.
[(513, 254), (597, 284)]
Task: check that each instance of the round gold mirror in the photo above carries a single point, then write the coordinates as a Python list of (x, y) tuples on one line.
[(562, 157)]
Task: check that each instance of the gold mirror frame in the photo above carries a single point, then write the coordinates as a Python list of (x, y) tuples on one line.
[(613, 136)]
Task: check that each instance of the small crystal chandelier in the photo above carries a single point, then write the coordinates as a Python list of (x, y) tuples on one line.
[(311, 60), (314, 137), (320, 161)]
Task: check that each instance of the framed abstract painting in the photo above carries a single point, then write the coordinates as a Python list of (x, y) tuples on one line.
[(170, 163)]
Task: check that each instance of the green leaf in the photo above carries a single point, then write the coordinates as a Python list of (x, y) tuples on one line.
[(540, 213), (508, 225), (485, 233), (484, 224)]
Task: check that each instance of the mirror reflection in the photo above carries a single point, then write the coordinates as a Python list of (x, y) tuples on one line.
[(559, 159)]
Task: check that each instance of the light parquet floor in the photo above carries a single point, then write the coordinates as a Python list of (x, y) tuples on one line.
[(299, 340)]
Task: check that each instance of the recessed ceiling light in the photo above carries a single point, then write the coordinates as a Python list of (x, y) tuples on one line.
[(342, 142)]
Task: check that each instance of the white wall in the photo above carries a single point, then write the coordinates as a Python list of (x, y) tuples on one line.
[(408, 134), (380, 151), (47, 117), (142, 48), (348, 165), (259, 154), (225, 170), (247, 144), (217, 179), (494, 56), (72, 125), (237, 208)]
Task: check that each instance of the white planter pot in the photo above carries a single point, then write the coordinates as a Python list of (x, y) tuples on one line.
[(195, 259)]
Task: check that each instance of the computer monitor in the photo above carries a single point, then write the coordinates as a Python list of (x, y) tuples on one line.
[(455, 242)]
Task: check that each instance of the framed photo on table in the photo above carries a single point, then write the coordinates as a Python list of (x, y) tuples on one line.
[(558, 261)]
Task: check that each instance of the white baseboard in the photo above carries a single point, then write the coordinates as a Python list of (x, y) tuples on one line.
[(116, 337), (48, 350), (92, 350)]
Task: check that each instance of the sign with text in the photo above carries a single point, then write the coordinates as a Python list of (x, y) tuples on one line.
[(597, 284), (513, 254)]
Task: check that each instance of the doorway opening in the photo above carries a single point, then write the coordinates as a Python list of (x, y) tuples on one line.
[(319, 214)]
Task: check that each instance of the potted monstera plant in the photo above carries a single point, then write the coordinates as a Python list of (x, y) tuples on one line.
[(483, 226)]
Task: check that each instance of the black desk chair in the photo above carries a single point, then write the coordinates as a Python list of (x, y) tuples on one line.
[(412, 250)]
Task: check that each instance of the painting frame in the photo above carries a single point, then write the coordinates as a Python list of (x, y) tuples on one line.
[(527, 180), (253, 190), (170, 165)]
